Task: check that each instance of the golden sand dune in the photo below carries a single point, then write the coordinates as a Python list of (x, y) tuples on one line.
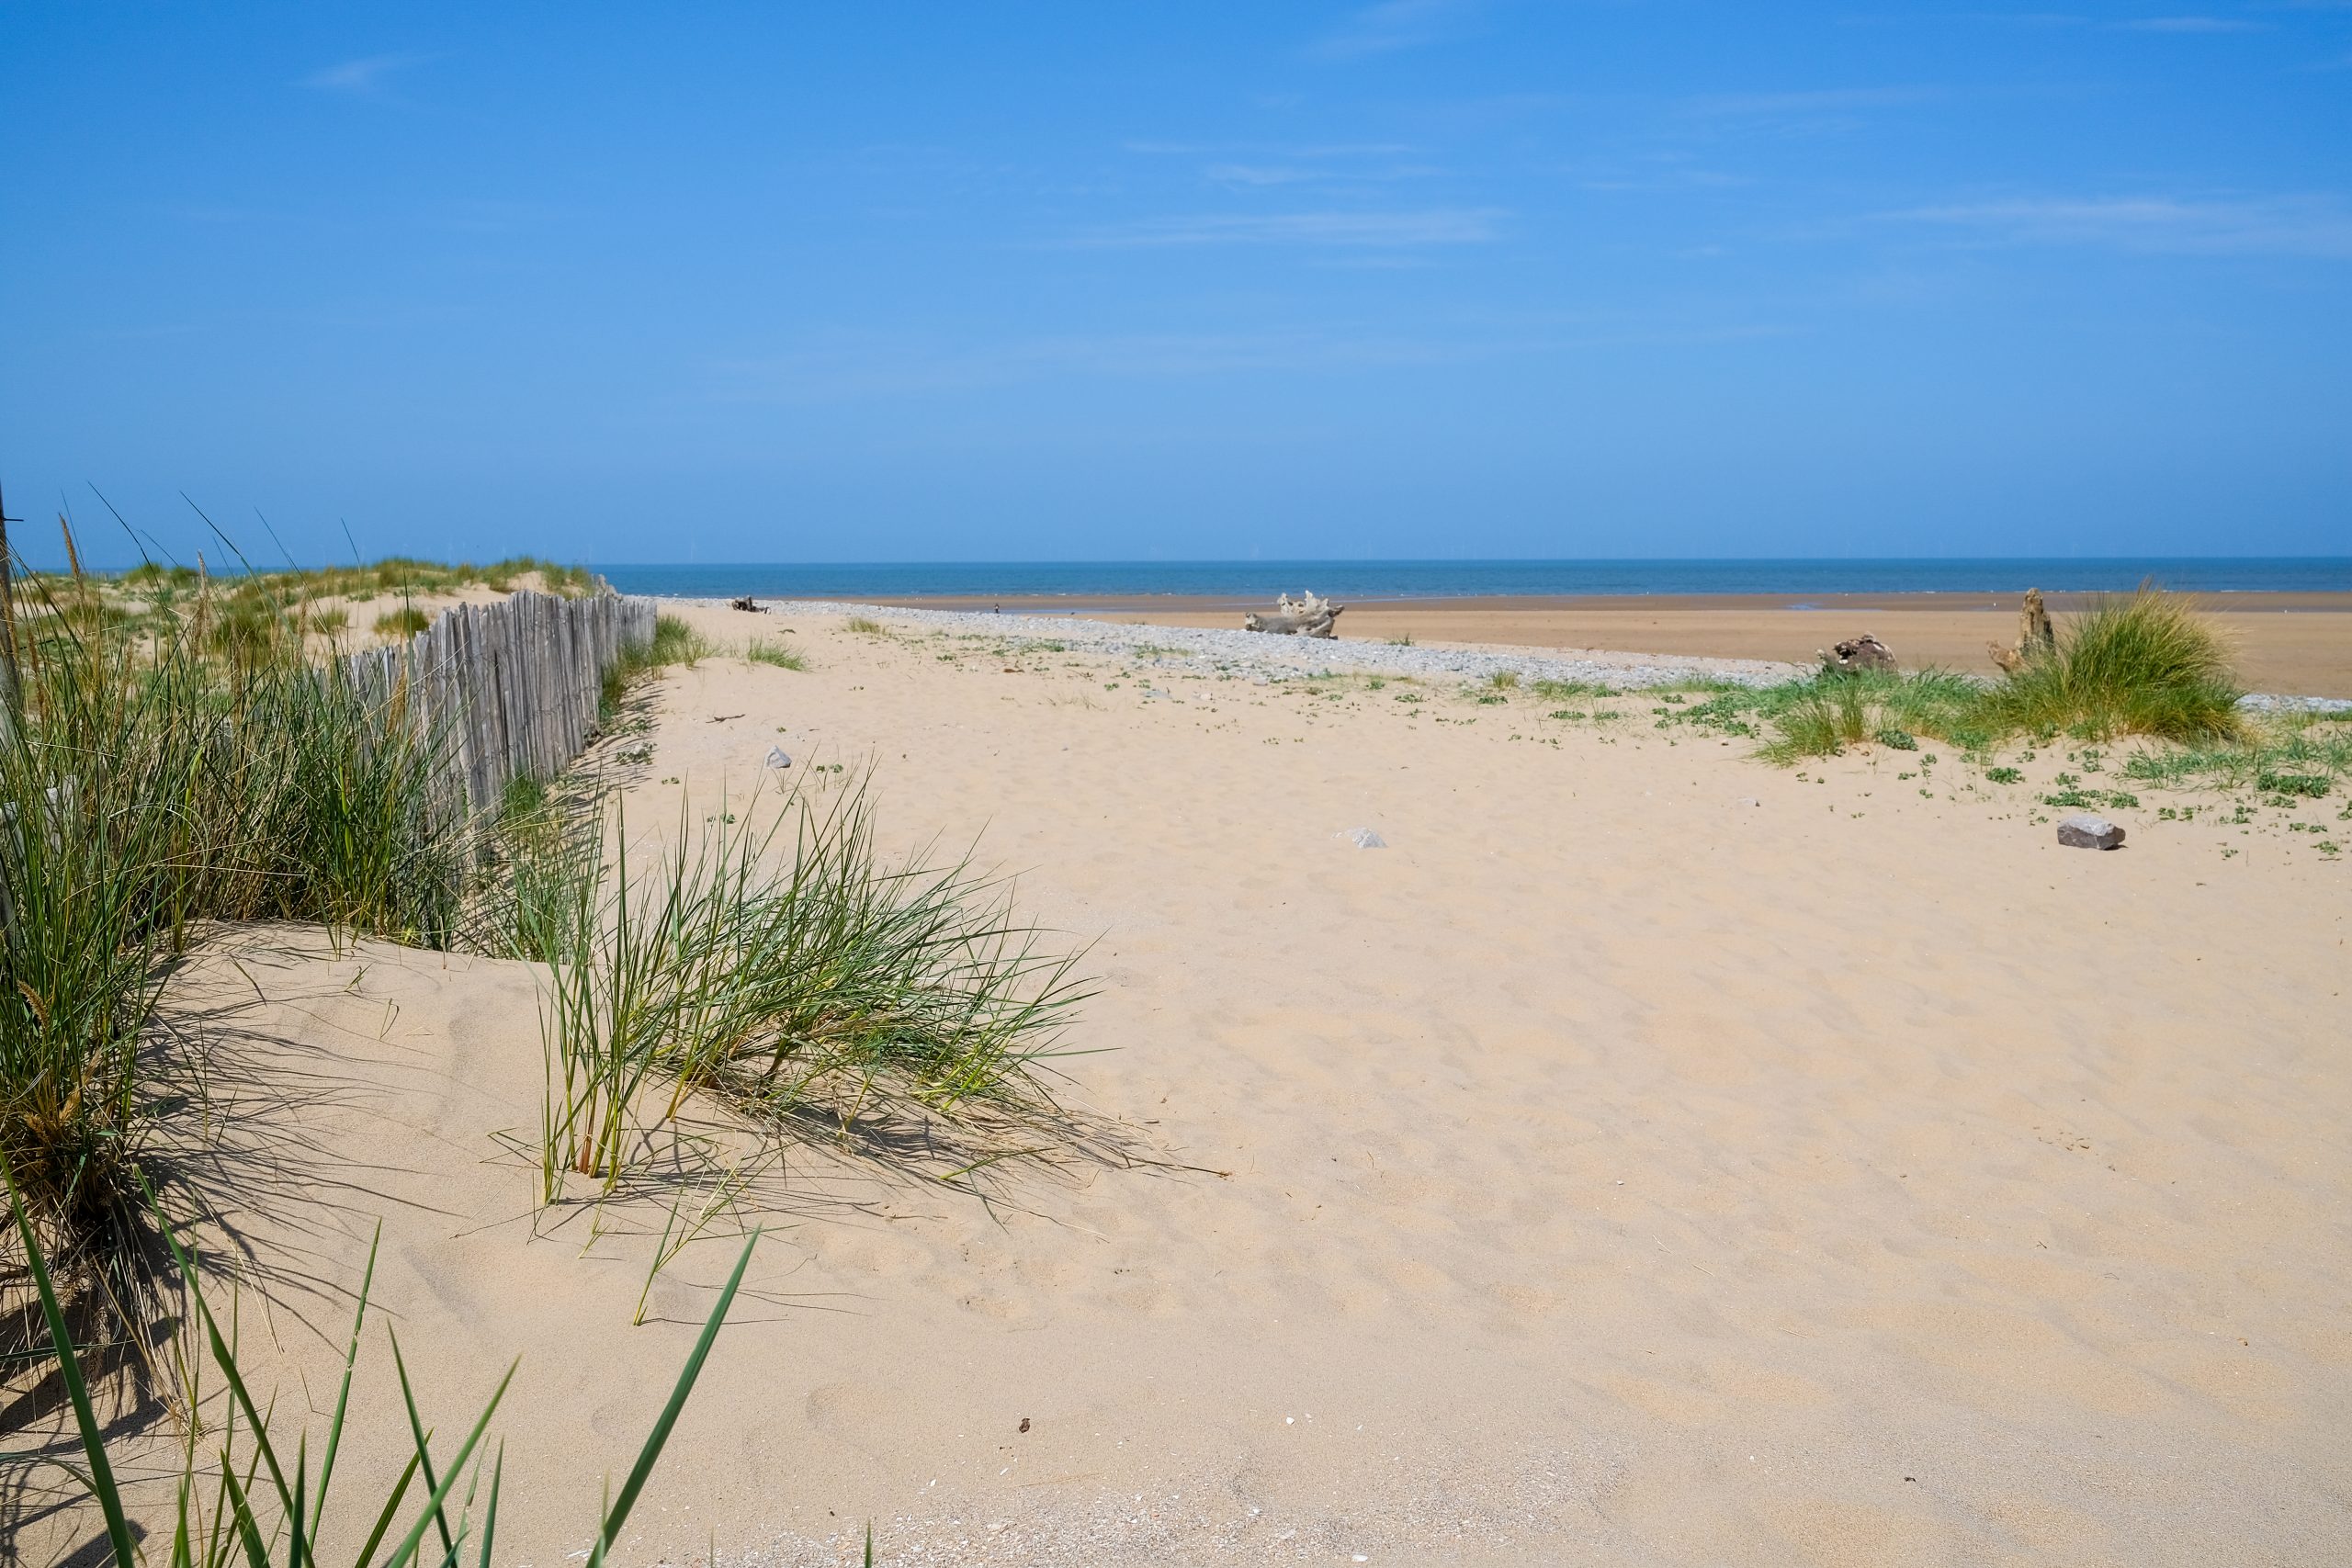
[(1648, 1156)]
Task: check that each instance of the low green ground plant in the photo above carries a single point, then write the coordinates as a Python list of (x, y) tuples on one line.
[(2312, 750), (1562, 691)]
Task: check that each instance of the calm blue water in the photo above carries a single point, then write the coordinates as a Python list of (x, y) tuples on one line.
[(1361, 581)]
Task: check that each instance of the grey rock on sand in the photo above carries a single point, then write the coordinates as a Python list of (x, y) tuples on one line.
[(2088, 832), (776, 758)]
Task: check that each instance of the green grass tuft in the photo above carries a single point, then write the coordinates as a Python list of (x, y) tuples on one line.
[(674, 642), (780, 654), (787, 970), (2142, 664)]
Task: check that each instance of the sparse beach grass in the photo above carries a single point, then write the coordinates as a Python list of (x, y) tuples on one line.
[(234, 1495), (2291, 754), (245, 615), (778, 654), (674, 642), (786, 969)]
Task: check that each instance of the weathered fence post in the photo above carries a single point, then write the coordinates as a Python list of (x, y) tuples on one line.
[(512, 689)]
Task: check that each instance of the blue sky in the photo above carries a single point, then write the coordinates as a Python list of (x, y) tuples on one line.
[(1426, 277)]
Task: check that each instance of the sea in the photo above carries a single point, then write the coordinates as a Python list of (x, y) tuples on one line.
[(1357, 581)]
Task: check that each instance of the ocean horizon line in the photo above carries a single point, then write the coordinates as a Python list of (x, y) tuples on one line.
[(1473, 579)]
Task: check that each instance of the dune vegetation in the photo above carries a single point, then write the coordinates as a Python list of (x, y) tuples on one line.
[(2145, 665), (164, 774), (769, 964)]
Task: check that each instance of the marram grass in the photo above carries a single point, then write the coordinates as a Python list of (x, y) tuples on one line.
[(783, 968), (149, 786), (240, 1501), (2142, 664), (675, 641), (779, 654)]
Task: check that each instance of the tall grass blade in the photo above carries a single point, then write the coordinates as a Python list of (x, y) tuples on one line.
[(422, 1439), (406, 1550), (618, 1514), (343, 1395), (68, 1365)]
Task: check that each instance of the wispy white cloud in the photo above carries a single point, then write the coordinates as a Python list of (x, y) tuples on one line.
[(1393, 25), (2190, 25), (1260, 175), (874, 367), (2318, 227), (1308, 152), (1307, 170), (1373, 231), (865, 366), (363, 75), (1828, 100)]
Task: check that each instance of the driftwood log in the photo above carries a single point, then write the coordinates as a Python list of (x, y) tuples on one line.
[(1864, 652), (2037, 638), (1309, 616)]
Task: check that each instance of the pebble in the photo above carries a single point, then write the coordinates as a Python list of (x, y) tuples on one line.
[(777, 759), (1258, 657), (1263, 658)]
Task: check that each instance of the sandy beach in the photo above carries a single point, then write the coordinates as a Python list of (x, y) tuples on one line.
[(1646, 1156), (2296, 643)]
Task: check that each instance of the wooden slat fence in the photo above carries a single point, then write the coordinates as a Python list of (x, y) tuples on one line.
[(511, 688)]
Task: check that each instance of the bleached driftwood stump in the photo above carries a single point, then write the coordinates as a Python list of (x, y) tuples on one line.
[(1309, 616)]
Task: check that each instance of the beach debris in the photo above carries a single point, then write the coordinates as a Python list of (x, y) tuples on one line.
[(1864, 652), (1365, 839), (1748, 800), (724, 718), (1025, 1423), (747, 602), (2085, 831), (1309, 616), (2037, 638), (776, 758)]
